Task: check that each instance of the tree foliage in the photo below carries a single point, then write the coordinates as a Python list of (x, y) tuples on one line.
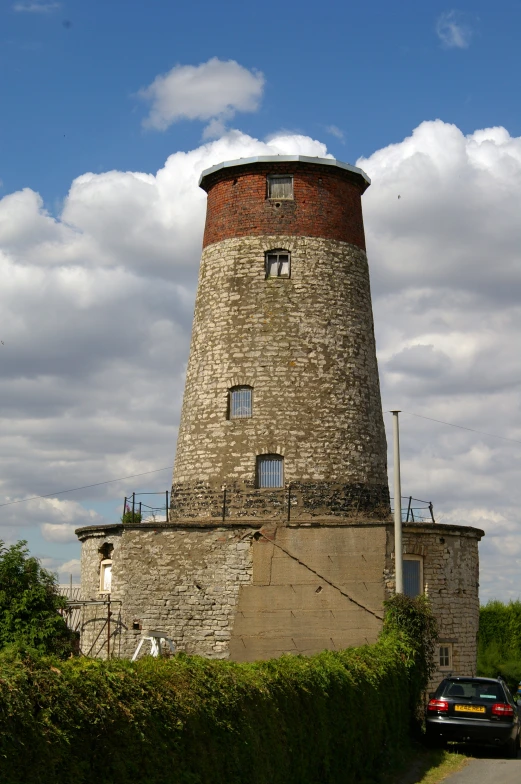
[(499, 642), (29, 604)]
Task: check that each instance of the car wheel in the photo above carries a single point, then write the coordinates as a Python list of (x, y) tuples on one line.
[(511, 748)]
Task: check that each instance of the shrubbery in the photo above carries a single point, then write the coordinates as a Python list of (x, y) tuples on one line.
[(29, 604), (499, 647), (325, 719)]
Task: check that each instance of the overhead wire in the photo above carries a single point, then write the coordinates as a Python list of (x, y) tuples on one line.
[(168, 468), (84, 487)]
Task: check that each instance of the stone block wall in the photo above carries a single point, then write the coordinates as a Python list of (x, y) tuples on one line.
[(306, 347), (246, 592)]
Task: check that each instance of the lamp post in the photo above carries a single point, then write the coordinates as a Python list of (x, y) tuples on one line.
[(398, 549)]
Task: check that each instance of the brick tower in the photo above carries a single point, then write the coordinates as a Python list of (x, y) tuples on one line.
[(282, 414)]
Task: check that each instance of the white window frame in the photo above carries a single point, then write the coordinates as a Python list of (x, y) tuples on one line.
[(448, 646), (272, 179), (419, 558), (277, 252), (105, 565)]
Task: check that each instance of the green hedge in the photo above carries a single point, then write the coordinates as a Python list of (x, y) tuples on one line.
[(499, 646), (325, 719)]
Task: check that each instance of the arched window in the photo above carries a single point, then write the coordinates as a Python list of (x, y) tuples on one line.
[(240, 403), (278, 263), (270, 471)]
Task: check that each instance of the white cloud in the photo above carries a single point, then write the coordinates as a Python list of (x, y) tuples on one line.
[(336, 132), (443, 243), (36, 8), (453, 31), (97, 306), (213, 91)]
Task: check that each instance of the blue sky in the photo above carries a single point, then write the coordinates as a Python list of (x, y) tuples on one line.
[(374, 70), (109, 112)]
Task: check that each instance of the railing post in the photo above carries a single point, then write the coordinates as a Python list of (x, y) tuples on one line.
[(133, 505), (431, 509), (140, 515), (166, 507), (124, 509), (409, 509)]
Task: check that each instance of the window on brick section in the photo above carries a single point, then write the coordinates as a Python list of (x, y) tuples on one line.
[(445, 656), (412, 575), (280, 187), (240, 403), (278, 264), (270, 471)]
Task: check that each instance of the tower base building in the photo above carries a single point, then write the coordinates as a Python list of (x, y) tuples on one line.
[(279, 536)]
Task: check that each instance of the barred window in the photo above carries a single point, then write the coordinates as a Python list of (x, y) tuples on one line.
[(280, 187), (412, 576), (240, 403), (270, 471), (278, 264)]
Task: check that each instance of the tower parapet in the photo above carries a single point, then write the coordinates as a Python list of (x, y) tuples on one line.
[(282, 413)]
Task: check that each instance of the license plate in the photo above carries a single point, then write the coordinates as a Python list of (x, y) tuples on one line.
[(469, 708)]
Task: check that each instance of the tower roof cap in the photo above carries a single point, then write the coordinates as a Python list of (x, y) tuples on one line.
[(264, 159)]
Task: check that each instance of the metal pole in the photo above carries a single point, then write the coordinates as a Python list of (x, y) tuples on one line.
[(124, 509), (166, 507), (133, 505), (398, 549), (108, 628)]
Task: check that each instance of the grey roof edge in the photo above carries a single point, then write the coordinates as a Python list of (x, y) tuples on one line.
[(284, 159)]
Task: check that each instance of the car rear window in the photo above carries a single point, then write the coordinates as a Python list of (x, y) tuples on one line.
[(473, 690)]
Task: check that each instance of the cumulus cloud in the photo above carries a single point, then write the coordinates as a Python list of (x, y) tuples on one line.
[(453, 31), (215, 91), (98, 304), (443, 243)]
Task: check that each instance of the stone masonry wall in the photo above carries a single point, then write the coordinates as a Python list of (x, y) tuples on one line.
[(247, 592), (181, 581), (306, 346)]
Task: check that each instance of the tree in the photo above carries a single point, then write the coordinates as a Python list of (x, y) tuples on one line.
[(29, 604)]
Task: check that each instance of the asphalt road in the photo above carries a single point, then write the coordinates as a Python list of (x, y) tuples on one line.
[(488, 770)]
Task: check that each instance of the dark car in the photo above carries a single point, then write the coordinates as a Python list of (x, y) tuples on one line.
[(474, 710)]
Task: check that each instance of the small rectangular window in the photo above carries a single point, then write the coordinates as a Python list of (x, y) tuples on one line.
[(270, 471), (277, 264), (241, 403), (445, 657), (280, 187), (412, 577), (105, 577)]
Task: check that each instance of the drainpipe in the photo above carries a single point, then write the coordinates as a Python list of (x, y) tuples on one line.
[(398, 549)]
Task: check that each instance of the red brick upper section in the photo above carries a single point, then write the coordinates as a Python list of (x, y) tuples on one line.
[(326, 202)]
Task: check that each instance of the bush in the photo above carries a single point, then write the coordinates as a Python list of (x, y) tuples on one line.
[(337, 717), (29, 604), (499, 642)]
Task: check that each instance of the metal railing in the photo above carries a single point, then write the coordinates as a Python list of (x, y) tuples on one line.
[(414, 510), (135, 510)]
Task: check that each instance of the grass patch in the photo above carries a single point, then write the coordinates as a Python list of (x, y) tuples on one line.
[(420, 765)]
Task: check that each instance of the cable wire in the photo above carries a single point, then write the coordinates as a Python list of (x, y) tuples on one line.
[(84, 487), (461, 427)]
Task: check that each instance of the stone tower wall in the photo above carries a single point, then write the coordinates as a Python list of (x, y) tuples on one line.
[(305, 344)]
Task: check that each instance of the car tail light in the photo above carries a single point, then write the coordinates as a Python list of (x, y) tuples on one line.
[(441, 706), (503, 709)]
